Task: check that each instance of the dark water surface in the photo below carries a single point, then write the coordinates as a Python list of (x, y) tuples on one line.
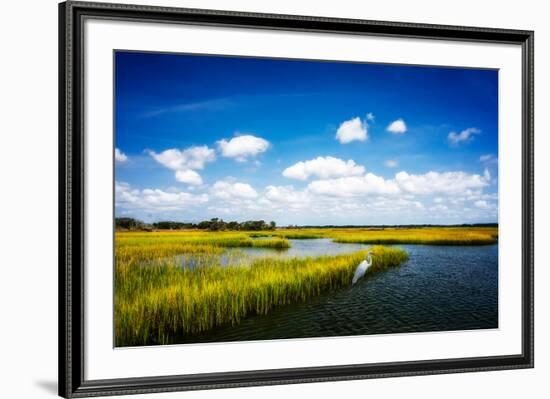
[(440, 288)]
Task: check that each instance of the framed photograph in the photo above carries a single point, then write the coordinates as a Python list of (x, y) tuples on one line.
[(253, 199)]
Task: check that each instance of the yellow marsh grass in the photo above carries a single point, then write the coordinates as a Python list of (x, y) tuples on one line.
[(416, 235), (157, 303), (156, 300), (149, 246), (194, 237)]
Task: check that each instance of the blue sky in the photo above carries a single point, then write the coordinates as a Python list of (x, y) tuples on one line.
[(303, 142)]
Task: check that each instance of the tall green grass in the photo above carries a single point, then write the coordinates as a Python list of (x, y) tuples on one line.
[(157, 303)]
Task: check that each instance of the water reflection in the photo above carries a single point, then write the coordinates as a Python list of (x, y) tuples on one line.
[(244, 256)]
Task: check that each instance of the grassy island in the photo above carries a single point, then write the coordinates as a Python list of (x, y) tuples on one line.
[(157, 300)]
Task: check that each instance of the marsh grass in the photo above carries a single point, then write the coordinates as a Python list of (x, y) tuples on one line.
[(415, 235), (162, 244), (428, 235), (157, 303), (157, 299), (388, 236), (193, 237)]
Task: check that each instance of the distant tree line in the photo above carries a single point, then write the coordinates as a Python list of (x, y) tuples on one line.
[(131, 224), (217, 224), (214, 224)]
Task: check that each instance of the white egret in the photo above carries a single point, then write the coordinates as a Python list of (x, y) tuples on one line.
[(362, 268)]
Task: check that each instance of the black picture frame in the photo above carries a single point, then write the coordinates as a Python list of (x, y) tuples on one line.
[(71, 200)]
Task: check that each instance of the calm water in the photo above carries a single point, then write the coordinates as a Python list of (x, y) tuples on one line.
[(244, 255), (301, 248), (440, 288)]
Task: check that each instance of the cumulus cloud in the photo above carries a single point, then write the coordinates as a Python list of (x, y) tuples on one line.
[(464, 136), (403, 183), (188, 176), (363, 198), (286, 195), (447, 182), (185, 162), (164, 198), (391, 163), (323, 168), (190, 158), (354, 186), (156, 199), (242, 147), (368, 199), (352, 130), (124, 193), (229, 190), (370, 116), (397, 127), (120, 156)]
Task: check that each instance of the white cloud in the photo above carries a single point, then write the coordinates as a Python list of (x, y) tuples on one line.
[(323, 168), (354, 186), (352, 130), (130, 198), (286, 195), (242, 147), (120, 156), (229, 190), (190, 158), (447, 182), (391, 163), (370, 116), (464, 136), (125, 193), (170, 199), (403, 183), (341, 193), (369, 199), (198, 156), (184, 162), (397, 127), (188, 176)]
